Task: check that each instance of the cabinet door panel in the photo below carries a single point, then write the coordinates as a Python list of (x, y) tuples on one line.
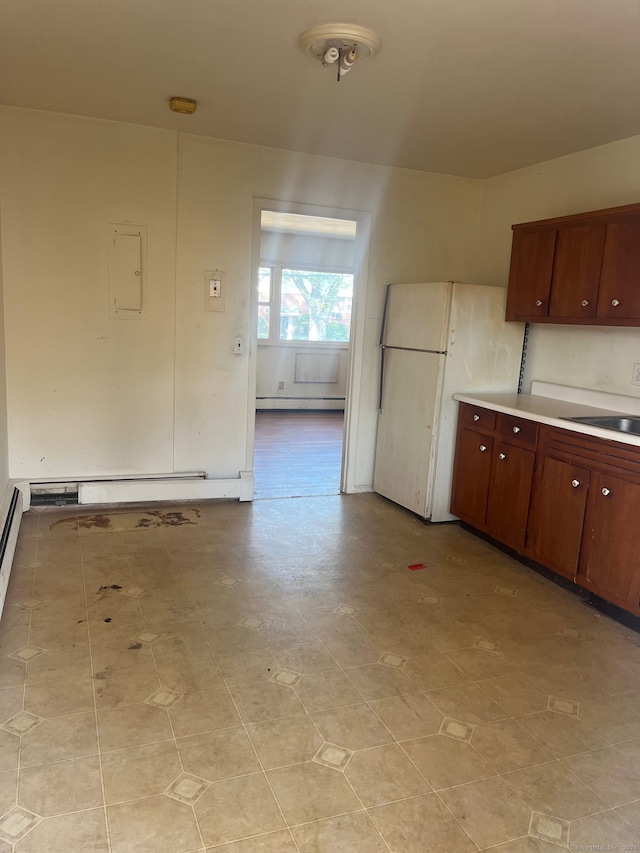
[(471, 476), (530, 274), (619, 294), (508, 506), (576, 271), (557, 516), (610, 559)]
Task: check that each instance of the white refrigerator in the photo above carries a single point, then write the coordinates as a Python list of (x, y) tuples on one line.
[(436, 340)]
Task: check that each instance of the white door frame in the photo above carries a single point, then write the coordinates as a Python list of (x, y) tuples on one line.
[(356, 343)]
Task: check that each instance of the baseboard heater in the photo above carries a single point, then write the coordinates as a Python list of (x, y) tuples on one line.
[(10, 517), (131, 489)]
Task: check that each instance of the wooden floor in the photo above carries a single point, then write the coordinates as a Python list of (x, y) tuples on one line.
[(297, 453)]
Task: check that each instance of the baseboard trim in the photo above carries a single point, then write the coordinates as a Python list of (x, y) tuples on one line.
[(142, 491), (10, 518)]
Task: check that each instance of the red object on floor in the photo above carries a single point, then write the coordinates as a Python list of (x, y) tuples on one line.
[(416, 566)]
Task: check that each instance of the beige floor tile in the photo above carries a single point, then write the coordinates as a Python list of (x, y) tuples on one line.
[(615, 718), (140, 771), (479, 664), (273, 842), (12, 673), (377, 681), (506, 746), (127, 628), (383, 774), (610, 676), (9, 751), (429, 672), (354, 727), (208, 711), (306, 658), (409, 717), (604, 831), (565, 682), (560, 734), (292, 740), (234, 639), (120, 654), (353, 651), (58, 739), (237, 808), (11, 701), (311, 791), (609, 773), (132, 725), (322, 690), (153, 825), (552, 789), (421, 824), (59, 698), (631, 814), (66, 786), (264, 700), (329, 625), (191, 676), (85, 831), (467, 702), (527, 844), (126, 686), (444, 761), (246, 667), (517, 694), (70, 662), (352, 833), (218, 755), (8, 790), (488, 810)]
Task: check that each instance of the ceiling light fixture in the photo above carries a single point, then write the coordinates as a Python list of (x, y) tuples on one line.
[(183, 105), (341, 45)]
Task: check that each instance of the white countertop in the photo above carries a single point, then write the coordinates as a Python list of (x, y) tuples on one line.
[(549, 403)]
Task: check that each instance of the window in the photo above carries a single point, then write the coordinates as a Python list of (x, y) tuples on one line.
[(304, 304)]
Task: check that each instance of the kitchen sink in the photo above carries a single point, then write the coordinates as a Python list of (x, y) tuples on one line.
[(621, 423)]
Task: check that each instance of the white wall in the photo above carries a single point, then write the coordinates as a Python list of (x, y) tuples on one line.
[(4, 461), (88, 395), (607, 176)]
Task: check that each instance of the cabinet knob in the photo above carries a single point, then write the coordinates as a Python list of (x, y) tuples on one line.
[(538, 303), (584, 303), (483, 448), (516, 429), (476, 417), (575, 483), (615, 302), (502, 455), (606, 492)]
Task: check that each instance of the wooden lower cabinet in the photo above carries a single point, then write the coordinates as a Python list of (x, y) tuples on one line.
[(610, 558), (509, 491), (557, 516), (568, 501)]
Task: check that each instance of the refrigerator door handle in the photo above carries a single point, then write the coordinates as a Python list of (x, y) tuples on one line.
[(382, 345), (380, 390)]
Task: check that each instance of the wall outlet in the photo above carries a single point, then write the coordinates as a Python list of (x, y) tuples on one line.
[(280, 386), (635, 379)]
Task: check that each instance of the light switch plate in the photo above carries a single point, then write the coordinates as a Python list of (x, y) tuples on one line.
[(215, 286)]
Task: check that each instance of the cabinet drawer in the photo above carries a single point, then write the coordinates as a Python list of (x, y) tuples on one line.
[(517, 430), (476, 417)]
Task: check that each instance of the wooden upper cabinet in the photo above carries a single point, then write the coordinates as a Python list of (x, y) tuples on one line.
[(576, 271), (530, 274), (581, 269), (619, 295)]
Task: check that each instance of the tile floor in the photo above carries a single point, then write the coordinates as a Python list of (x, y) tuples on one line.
[(272, 678)]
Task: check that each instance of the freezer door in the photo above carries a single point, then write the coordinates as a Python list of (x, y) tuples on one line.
[(417, 316), (406, 426)]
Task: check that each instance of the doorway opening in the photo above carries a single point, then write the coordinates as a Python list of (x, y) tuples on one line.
[(303, 336)]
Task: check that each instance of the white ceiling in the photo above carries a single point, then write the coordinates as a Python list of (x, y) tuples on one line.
[(464, 87)]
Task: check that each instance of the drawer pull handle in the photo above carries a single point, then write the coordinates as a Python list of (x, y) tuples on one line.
[(584, 303), (483, 448), (606, 492), (615, 302), (538, 303), (575, 483), (516, 429), (476, 417), (502, 455)]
